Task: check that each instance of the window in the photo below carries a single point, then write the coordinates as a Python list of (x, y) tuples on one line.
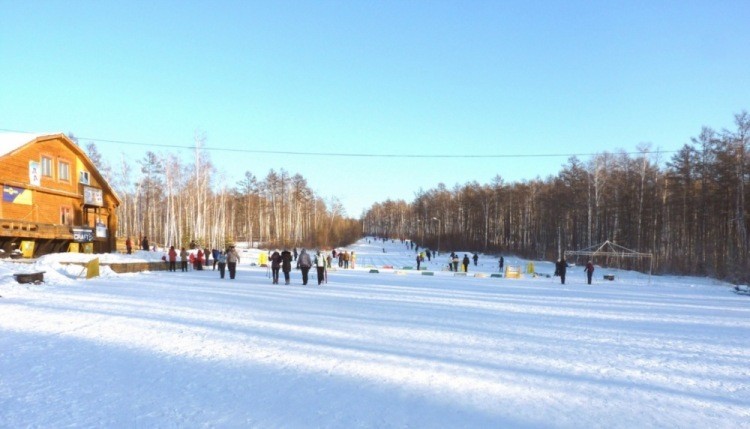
[(46, 166), (83, 177), (63, 171)]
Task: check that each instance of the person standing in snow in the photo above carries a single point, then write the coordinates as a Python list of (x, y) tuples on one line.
[(320, 265), (560, 269), (232, 259), (304, 263), (183, 260), (275, 266), (129, 246), (419, 261), (500, 263), (144, 244), (172, 259), (215, 254), (475, 258), (199, 260), (221, 261), (589, 270), (466, 263), (286, 264)]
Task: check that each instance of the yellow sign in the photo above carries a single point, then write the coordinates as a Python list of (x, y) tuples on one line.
[(27, 248), (92, 268), (74, 248), (263, 259), (88, 247)]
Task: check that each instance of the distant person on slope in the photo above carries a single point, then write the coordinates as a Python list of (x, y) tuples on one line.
[(466, 263)]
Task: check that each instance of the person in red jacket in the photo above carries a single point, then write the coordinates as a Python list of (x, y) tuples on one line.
[(199, 260), (172, 259), (589, 270)]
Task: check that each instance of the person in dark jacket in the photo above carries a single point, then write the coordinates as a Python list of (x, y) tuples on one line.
[(286, 264), (275, 266), (560, 267), (589, 270), (215, 254), (475, 258), (419, 261), (304, 262), (144, 244), (466, 263)]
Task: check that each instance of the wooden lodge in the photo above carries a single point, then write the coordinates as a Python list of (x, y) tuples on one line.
[(54, 199)]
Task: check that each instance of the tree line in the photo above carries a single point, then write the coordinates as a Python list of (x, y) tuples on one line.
[(690, 210), (173, 202)]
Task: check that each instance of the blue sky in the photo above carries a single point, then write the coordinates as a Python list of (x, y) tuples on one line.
[(382, 78)]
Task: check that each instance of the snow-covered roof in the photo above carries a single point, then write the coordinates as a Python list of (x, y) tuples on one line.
[(12, 141)]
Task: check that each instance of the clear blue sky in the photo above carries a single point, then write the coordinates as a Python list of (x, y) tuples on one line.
[(376, 77)]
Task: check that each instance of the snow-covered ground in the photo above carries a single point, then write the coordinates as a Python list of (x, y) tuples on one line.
[(392, 349)]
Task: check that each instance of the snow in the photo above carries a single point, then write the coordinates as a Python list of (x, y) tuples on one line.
[(392, 349)]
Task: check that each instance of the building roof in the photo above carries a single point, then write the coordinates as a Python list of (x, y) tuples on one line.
[(9, 142)]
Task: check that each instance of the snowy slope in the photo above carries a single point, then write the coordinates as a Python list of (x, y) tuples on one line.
[(393, 349)]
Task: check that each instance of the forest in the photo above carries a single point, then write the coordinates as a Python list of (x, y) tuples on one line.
[(176, 203), (688, 208)]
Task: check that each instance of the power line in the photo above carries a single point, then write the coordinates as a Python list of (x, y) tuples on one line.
[(349, 155)]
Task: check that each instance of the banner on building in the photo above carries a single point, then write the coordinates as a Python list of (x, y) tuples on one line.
[(83, 235), (101, 230), (14, 195), (92, 196), (34, 173)]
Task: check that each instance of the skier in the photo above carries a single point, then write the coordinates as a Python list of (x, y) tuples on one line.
[(304, 263), (286, 264), (589, 270), (275, 266)]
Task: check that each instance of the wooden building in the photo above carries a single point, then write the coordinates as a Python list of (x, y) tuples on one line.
[(54, 199)]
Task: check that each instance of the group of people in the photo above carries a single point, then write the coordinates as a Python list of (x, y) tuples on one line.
[(225, 260), (561, 266), (282, 262)]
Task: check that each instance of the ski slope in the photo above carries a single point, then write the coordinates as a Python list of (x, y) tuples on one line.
[(370, 350)]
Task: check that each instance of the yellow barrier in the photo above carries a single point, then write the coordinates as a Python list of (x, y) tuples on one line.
[(512, 272)]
